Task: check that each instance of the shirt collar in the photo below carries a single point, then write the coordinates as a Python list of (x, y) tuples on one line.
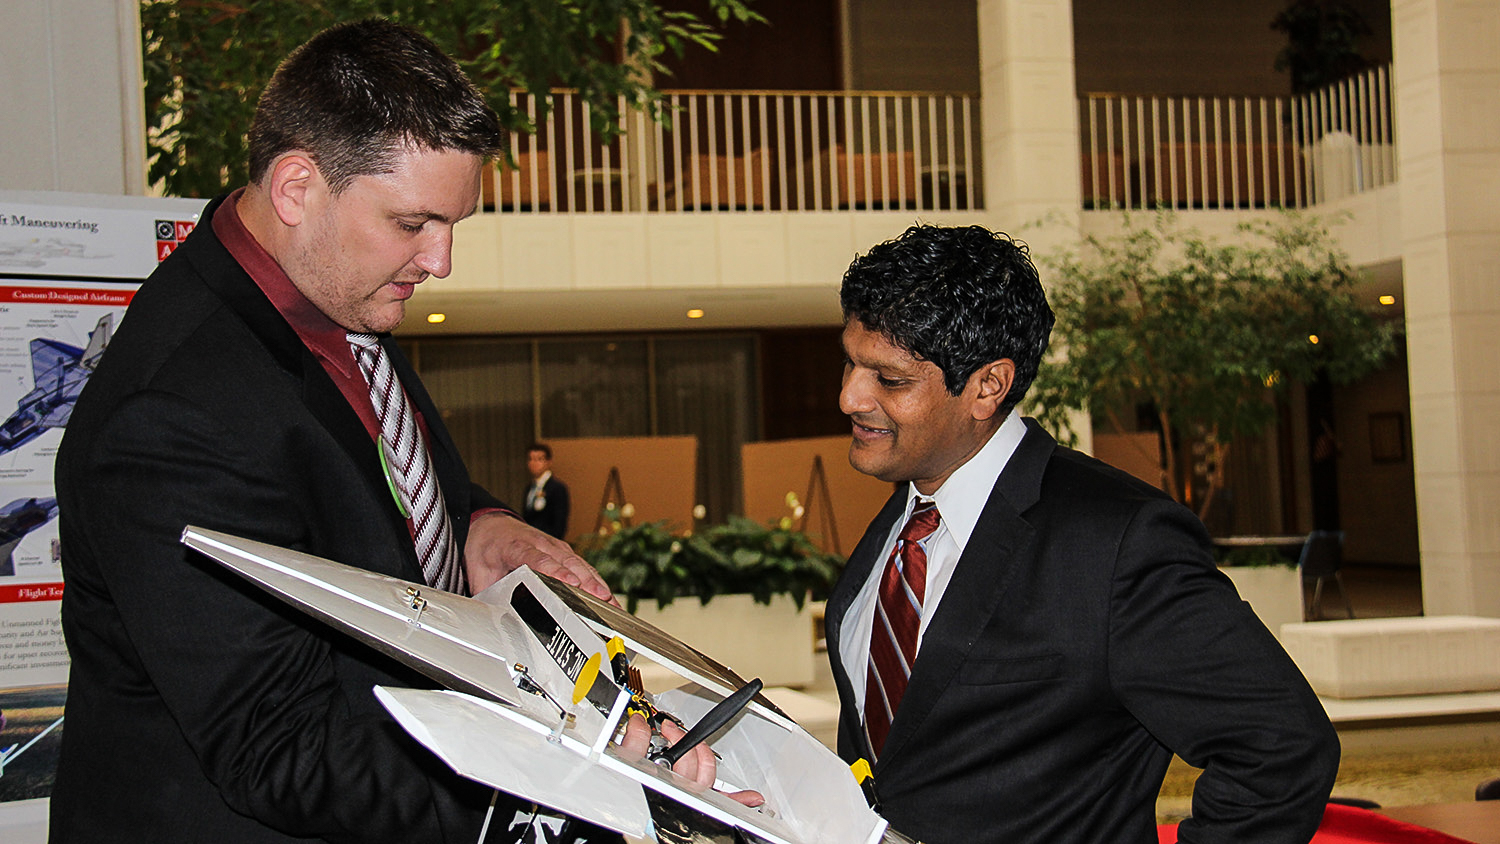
[(962, 496), (326, 338)]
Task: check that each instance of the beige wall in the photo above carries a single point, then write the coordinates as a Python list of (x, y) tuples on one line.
[(71, 113), (655, 474), (835, 522)]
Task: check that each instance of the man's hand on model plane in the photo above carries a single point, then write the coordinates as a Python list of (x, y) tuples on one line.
[(698, 765), (499, 543)]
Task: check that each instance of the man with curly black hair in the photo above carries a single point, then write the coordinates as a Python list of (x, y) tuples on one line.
[(1025, 636)]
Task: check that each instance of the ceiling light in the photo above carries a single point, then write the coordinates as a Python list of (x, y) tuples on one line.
[(1313, 339), (436, 318), (1387, 299), (695, 313)]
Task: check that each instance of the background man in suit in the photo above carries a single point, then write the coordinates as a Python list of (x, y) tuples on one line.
[(1024, 665), (233, 398), (546, 496)]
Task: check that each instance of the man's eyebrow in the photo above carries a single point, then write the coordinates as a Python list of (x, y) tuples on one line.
[(425, 214)]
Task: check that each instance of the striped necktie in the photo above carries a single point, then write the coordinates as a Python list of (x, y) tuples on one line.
[(404, 455), (898, 618)]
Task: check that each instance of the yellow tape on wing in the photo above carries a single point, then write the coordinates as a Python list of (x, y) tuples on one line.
[(586, 677)]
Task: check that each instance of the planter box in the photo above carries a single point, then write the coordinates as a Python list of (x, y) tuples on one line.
[(1381, 657), (771, 641), (1274, 592)]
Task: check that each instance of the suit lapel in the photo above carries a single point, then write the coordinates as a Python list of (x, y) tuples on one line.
[(1002, 539), (328, 405)]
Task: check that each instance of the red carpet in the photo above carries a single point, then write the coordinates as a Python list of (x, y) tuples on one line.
[(1348, 825)]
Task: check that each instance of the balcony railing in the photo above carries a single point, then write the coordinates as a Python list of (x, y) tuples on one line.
[(819, 151), (746, 151), (1238, 152)]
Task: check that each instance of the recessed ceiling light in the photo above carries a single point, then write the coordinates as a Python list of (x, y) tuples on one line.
[(695, 313), (436, 318)]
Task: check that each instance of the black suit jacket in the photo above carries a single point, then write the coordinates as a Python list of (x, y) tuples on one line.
[(199, 708), (1086, 636), (552, 518)]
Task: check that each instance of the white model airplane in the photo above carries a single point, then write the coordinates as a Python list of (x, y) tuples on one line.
[(537, 695)]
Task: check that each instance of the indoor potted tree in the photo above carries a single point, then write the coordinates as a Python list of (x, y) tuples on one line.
[(1203, 335), (736, 591)]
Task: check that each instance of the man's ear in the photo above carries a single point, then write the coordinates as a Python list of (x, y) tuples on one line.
[(292, 184), (992, 384)]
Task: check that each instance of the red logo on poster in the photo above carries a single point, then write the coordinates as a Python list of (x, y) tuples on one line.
[(169, 233)]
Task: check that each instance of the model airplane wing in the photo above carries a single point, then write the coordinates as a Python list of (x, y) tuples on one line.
[(551, 741), (380, 611), (483, 742)]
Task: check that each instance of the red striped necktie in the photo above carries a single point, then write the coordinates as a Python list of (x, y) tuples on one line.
[(898, 617), (404, 455)]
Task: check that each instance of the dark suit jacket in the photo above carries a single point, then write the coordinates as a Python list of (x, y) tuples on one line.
[(200, 709), (553, 518), (1084, 638)]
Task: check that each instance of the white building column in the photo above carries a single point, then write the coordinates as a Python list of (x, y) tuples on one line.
[(71, 111), (1029, 108), (1447, 77)]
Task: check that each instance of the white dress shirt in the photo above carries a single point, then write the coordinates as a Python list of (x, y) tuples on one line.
[(535, 500), (960, 500)]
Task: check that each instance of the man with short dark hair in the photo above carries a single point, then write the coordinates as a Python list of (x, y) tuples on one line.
[(546, 497), (253, 388), (1025, 636)]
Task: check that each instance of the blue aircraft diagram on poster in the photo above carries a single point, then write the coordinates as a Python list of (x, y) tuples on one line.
[(17, 519), (52, 337), (58, 372)]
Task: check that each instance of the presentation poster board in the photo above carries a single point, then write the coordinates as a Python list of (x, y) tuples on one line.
[(656, 476), (807, 467), (1138, 454), (69, 266)]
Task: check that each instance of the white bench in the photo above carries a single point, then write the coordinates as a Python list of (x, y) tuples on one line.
[(1381, 657)]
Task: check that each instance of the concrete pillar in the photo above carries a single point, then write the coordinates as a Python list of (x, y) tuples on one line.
[(1029, 108), (70, 97), (1447, 84)]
